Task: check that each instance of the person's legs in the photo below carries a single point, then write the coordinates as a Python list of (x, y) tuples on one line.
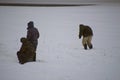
[(34, 58), (89, 42), (84, 42), (35, 43)]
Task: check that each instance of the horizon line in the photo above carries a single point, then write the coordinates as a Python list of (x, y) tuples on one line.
[(45, 5)]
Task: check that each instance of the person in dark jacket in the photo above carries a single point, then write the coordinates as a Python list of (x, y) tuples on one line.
[(26, 52), (87, 34), (33, 35)]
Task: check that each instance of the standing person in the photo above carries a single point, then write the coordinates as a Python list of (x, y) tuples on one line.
[(87, 34), (33, 35)]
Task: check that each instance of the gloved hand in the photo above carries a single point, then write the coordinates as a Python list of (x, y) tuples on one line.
[(79, 36)]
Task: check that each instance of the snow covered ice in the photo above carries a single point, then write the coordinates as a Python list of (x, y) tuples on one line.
[(60, 54)]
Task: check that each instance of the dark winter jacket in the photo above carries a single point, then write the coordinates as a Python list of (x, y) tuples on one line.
[(85, 31), (26, 52), (32, 34)]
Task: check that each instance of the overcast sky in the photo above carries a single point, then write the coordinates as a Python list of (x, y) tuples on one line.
[(56, 1)]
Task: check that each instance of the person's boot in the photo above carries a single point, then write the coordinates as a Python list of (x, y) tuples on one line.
[(91, 46), (34, 59), (85, 46)]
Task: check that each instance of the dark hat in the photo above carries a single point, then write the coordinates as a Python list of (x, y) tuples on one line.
[(81, 24), (23, 39), (30, 24)]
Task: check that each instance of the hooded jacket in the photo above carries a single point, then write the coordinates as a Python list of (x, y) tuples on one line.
[(26, 52), (32, 34), (85, 31)]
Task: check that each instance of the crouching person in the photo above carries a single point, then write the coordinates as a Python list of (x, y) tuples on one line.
[(26, 52), (87, 34)]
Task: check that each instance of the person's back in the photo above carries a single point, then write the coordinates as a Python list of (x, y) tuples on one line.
[(26, 52), (33, 34), (85, 31)]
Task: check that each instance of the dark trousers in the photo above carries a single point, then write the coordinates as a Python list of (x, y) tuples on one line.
[(35, 43)]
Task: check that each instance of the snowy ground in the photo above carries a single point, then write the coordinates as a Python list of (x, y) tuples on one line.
[(60, 54)]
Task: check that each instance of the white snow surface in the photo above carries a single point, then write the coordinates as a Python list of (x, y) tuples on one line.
[(60, 54)]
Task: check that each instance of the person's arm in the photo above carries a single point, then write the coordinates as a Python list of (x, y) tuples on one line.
[(80, 32), (38, 34), (29, 35)]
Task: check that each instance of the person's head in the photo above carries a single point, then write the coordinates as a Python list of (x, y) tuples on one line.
[(23, 40), (30, 24), (81, 25)]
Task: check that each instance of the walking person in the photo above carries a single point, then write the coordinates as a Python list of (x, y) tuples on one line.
[(87, 34), (33, 35)]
